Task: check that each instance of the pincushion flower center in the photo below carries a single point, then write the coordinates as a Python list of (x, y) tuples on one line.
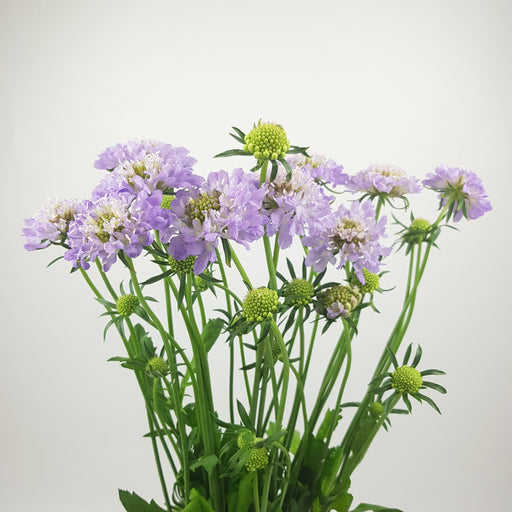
[(349, 231), (200, 207)]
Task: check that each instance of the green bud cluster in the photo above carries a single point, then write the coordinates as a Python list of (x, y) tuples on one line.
[(200, 284), (259, 304), (371, 282), (246, 439), (406, 380), (199, 207), (126, 304), (299, 292), (267, 141), (156, 366), (376, 409), (348, 297), (166, 201), (182, 266), (417, 231), (258, 459)]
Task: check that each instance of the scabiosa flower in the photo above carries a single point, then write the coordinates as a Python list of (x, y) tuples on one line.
[(295, 204), (350, 235), (462, 189), (383, 180), (145, 165), (267, 141), (223, 207), (338, 301), (321, 169), (108, 225), (50, 224)]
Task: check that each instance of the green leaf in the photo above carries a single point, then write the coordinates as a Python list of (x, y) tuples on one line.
[(132, 502), (154, 279), (342, 503), (207, 462), (366, 507), (197, 503), (211, 332), (437, 387), (232, 152), (417, 357), (240, 497), (244, 417), (53, 261)]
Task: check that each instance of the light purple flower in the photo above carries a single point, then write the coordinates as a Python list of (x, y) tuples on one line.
[(335, 310), (386, 180), (321, 169), (350, 235), (50, 224), (108, 225), (146, 166), (223, 207), (460, 187), (295, 206)]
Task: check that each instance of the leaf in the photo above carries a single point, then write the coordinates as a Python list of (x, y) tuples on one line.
[(417, 357), (244, 417), (240, 498), (366, 507), (197, 503), (232, 152), (211, 332), (290, 268), (437, 387), (154, 279), (342, 503), (207, 462), (132, 502)]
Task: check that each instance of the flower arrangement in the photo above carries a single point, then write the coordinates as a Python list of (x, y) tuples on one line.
[(275, 449)]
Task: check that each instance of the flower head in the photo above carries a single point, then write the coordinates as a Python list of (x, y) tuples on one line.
[(321, 169), (260, 304), (108, 225), (299, 292), (387, 180), (339, 301), (406, 379), (267, 141), (157, 367), (223, 207), (257, 459), (295, 205), (461, 189), (50, 224), (371, 282), (145, 165), (350, 235), (127, 304)]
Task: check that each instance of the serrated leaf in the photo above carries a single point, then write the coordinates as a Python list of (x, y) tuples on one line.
[(132, 502), (208, 462)]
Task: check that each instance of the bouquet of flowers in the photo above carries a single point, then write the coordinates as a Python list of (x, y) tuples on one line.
[(274, 448)]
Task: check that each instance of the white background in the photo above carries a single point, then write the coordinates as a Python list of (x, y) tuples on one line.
[(410, 83)]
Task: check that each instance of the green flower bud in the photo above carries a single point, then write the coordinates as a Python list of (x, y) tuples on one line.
[(348, 297), (417, 231), (371, 282), (200, 284), (299, 292), (156, 366), (126, 304), (376, 409), (259, 304), (246, 439), (267, 141), (258, 459), (182, 266), (406, 380)]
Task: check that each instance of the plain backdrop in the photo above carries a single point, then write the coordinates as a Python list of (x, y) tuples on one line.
[(409, 83)]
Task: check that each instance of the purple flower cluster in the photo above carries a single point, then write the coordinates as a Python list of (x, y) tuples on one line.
[(462, 189), (350, 235), (386, 180), (50, 224), (321, 169), (108, 225), (295, 205), (223, 206), (145, 166)]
